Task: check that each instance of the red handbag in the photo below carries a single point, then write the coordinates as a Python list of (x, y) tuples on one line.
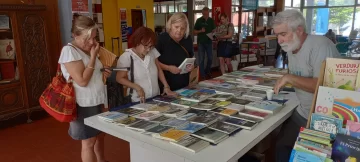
[(58, 99)]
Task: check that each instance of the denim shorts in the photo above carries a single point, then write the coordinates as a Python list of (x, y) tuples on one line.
[(78, 130)]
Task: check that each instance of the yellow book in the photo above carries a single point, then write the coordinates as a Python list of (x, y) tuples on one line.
[(228, 112), (223, 103), (174, 135)]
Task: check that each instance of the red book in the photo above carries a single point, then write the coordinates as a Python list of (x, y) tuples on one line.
[(7, 70)]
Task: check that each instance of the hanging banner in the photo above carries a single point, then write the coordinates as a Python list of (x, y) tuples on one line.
[(80, 6), (123, 25)]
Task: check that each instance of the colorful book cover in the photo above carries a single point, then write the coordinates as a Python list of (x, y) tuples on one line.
[(254, 113), (183, 103), (148, 115), (131, 111), (186, 92), (191, 127), (209, 102), (223, 103), (198, 96), (342, 104), (302, 156), (112, 115), (325, 124), (353, 129), (176, 123), (341, 73), (161, 119), (166, 99), (346, 149), (128, 121), (239, 101), (224, 127), (241, 123), (174, 135), (187, 116)]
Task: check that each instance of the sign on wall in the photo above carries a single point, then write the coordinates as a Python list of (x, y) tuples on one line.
[(250, 4), (123, 28), (80, 6)]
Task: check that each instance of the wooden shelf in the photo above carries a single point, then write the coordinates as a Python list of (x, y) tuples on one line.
[(12, 83), (7, 61)]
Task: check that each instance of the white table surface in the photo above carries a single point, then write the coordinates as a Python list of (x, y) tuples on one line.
[(229, 150)]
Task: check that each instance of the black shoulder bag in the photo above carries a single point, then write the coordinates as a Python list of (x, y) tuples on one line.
[(115, 90)]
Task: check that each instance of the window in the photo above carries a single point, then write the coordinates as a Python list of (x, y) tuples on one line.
[(290, 8), (247, 23), (235, 18), (288, 3), (266, 3), (235, 2), (155, 9), (340, 20), (315, 2), (341, 2), (173, 8), (198, 15), (183, 7), (357, 19), (296, 3), (163, 9), (209, 4), (199, 4)]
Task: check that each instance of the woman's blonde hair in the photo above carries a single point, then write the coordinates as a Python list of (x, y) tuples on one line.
[(83, 25), (178, 17)]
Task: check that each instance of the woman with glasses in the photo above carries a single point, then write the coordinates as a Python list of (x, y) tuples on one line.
[(146, 69)]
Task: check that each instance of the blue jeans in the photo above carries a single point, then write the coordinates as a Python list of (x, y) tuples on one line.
[(202, 49)]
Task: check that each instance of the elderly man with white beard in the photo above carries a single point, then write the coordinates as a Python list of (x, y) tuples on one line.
[(305, 53)]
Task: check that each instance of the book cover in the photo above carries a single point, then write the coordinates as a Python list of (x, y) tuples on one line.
[(239, 101), (223, 103), (174, 135), (235, 107), (128, 121), (241, 123), (225, 111), (192, 144), (148, 115), (165, 99), (159, 129), (112, 116), (183, 103), (221, 97), (143, 125), (255, 114), (7, 49), (144, 106), (226, 85), (191, 127), (247, 118), (342, 104), (302, 156), (188, 62), (174, 112), (203, 120), (131, 111), (187, 116), (175, 123), (341, 73), (256, 94), (210, 135), (204, 107), (265, 106), (224, 127), (346, 149), (198, 112), (209, 102), (159, 108), (161, 119), (198, 96), (186, 91), (353, 129), (325, 124)]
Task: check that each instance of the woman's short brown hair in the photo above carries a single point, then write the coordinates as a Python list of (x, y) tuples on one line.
[(144, 36), (223, 15)]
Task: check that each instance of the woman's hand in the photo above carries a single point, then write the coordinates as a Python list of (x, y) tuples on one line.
[(94, 50), (190, 68), (107, 72), (141, 94), (168, 92), (173, 69)]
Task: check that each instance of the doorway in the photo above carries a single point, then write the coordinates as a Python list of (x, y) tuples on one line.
[(137, 19)]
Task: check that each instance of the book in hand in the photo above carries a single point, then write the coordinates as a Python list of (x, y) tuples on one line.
[(224, 127), (255, 114), (192, 144), (346, 148), (265, 106), (175, 123), (241, 123), (112, 116), (325, 124), (142, 126), (191, 127), (131, 111), (174, 135), (148, 115), (213, 136), (187, 63), (128, 121)]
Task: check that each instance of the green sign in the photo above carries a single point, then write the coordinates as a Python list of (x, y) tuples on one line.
[(250, 4)]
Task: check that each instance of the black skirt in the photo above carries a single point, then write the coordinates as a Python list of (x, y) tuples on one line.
[(224, 49)]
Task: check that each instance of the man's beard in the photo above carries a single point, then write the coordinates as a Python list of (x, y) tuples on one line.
[(293, 45)]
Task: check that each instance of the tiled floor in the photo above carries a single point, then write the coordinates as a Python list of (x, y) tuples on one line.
[(46, 140)]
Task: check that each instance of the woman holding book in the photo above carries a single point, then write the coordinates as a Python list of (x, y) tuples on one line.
[(79, 61), (224, 34), (175, 46), (146, 67)]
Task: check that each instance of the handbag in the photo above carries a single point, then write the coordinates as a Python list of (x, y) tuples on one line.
[(58, 99), (115, 90)]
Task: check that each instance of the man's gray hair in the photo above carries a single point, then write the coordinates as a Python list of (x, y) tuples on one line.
[(293, 18)]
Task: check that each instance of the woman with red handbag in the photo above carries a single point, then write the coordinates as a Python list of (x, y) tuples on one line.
[(80, 64)]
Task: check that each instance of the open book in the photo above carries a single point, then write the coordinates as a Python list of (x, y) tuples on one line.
[(186, 63)]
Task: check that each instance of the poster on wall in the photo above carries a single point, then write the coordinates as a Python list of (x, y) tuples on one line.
[(123, 26), (80, 6)]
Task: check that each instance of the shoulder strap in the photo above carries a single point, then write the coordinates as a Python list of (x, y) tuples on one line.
[(131, 72), (187, 53)]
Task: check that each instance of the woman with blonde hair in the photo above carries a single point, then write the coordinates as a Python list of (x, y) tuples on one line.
[(175, 46), (79, 61)]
